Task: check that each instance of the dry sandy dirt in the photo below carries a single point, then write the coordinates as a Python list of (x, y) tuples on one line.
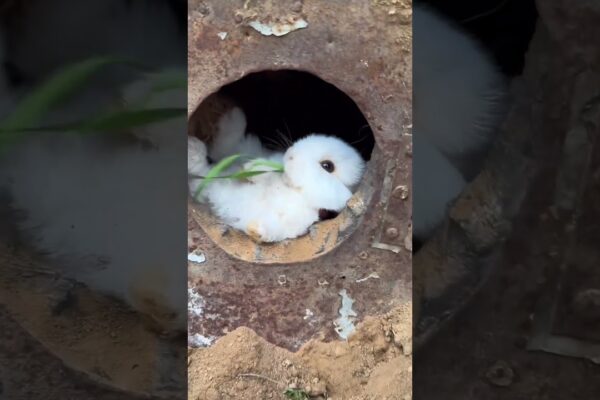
[(374, 364)]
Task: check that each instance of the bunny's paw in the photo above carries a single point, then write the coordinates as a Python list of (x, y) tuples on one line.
[(255, 230)]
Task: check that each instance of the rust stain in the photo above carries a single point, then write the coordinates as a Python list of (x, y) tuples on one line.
[(240, 278)]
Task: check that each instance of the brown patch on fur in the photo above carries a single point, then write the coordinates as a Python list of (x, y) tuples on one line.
[(252, 232)]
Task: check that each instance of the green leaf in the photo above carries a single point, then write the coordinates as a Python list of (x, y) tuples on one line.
[(277, 167), (56, 90), (130, 119), (296, 394), (243, 174), (60, 87), (216, 170), (116, 121)]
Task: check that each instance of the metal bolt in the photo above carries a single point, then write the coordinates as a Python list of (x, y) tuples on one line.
[(500, 374), (391, 232), (400, 192)]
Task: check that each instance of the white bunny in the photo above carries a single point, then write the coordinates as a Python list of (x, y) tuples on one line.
[(459, 100), (106, 214), (319, 173)]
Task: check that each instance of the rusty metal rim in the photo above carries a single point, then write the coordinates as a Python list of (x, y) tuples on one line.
[(455, 263)]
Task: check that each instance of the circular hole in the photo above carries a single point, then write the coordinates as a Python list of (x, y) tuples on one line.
[(282, 107)]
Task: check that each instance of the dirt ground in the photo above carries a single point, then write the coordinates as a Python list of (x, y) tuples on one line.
[(28, 371), (374, 364), (94, 334)]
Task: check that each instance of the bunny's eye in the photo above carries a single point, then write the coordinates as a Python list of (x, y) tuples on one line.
[(327, 166)]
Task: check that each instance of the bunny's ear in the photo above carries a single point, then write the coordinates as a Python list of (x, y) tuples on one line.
[(230, 132), (328, 193)]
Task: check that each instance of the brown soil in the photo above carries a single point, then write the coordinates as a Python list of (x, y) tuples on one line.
[(374, 364), (90, 333), (29, 371)]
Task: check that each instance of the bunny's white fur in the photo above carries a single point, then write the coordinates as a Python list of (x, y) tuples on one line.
[(320, 189), (232, 138), (458, 103), (437, 183), (458, 92), (273, 206)]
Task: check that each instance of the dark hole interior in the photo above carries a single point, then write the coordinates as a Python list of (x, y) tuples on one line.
[(295, 104), (503, 27)]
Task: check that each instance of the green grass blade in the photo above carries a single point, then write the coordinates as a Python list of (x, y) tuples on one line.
[(55, 91), (296, 394), (123, 120), (242, 174), (216, 171), (113, 122), (276, 167), (245, 174)]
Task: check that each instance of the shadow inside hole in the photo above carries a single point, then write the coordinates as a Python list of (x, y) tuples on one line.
[(485, 18), (295, 104)]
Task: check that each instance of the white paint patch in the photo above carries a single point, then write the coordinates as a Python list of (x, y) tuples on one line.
[(196, 303), (197, 257), (198, 340), (388, 247), (222, 35), (373, 275), (278, 29), (344, 325), (308, 314)]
